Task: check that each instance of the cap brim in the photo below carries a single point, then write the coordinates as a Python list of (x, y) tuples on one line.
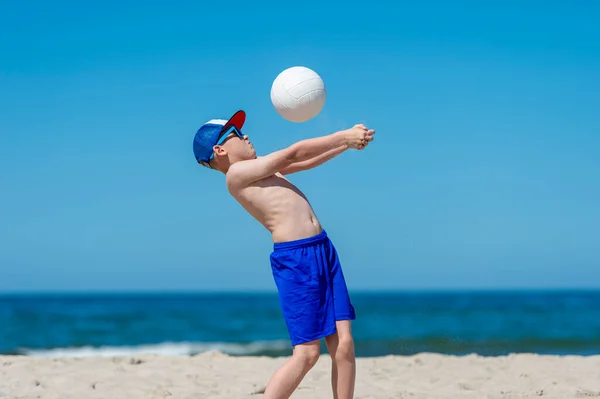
[(238, 119)]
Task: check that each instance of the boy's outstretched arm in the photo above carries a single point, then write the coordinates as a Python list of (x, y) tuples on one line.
[(246, 172), (313, 162)]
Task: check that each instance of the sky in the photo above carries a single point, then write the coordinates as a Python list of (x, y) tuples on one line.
[(484, 174)]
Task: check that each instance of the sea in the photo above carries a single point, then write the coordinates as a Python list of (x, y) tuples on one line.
[(251, 324)]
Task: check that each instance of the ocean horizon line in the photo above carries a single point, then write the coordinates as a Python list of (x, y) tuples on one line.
[(364, 291)]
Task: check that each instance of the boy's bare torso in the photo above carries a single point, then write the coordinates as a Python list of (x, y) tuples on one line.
[(280, 207)]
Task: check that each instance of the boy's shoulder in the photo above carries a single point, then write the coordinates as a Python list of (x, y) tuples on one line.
[(237, 171), (242, 167)]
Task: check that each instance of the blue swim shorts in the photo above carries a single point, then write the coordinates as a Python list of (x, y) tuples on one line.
[(311, 285)]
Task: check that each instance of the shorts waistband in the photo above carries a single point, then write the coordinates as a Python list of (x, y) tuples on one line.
[(303, 242)]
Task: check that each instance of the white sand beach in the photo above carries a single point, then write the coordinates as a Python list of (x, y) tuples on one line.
[(215, 375)]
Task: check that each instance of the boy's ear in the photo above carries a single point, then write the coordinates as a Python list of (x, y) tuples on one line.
[(219, 150)]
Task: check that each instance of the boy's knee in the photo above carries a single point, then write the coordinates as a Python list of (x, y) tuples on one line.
[(309, 354), (345, 349)]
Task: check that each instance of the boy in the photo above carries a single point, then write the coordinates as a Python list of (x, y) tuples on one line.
[(306, 269)]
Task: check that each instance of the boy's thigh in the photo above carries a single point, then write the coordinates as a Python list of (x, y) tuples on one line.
[(343, 333), (344, 329)]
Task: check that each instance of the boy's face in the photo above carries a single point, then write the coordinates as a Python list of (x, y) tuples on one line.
[(238, 147)]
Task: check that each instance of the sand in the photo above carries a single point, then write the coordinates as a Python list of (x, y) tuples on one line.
[(214, 375)]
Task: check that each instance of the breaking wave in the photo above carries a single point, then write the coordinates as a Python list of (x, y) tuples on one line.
[(256, 348)]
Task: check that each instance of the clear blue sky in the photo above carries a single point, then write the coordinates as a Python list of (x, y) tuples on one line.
[(485, 172)]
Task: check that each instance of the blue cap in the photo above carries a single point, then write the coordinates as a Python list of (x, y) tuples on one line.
[(208, 135)]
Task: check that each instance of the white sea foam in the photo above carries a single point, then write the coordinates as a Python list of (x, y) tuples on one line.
[(165, 348)]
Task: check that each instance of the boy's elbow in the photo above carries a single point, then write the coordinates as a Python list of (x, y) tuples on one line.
[(293, 153), (301, 151)]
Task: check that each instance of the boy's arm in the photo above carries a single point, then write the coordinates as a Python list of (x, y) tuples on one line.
[(246, 172), (313, 162)]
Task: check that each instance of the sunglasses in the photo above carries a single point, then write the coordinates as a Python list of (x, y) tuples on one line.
[(226, 135)]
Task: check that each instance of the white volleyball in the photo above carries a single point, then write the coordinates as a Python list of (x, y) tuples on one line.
[(298, 94)]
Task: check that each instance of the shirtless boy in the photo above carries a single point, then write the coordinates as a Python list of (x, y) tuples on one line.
[(305, 265)]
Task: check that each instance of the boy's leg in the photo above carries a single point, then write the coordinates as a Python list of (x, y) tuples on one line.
[(343, 364), (341, 344), (287, 378)]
